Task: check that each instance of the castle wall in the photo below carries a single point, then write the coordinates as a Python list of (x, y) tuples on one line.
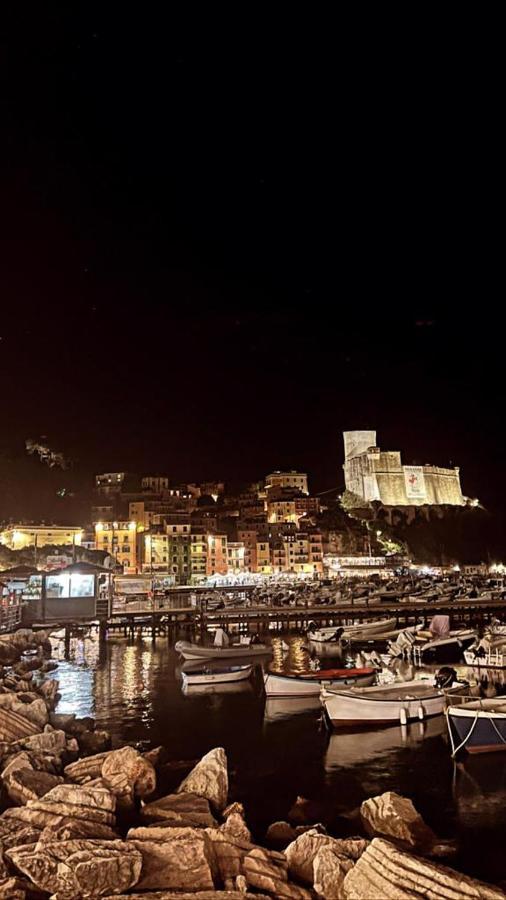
[(374, 474)]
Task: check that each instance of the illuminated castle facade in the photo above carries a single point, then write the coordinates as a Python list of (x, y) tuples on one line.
[(373, 474)]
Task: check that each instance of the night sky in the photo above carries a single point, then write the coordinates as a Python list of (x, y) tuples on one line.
[(218, 254)]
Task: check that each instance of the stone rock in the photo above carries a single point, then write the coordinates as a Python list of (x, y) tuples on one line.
[(19, 760), (236, 826), (234, 807), (19, 889), (13, 727), (72, 869), (384, 872), (280, 834), (55, 808), (318, 827), (92, 742), (27, 665), (395, 817), (301, 853), (47, 741), (139, 771), (329, 872), (184, 861), (179, 809), (123, 789), (229, 853), (157, 757), (35, 712), (34, 818), (49, 690), (85, 769), (86, 797), (25, 784), (76, 829), (13, 833), (267, 871), (197, 895), (209, 779), (62, 721)]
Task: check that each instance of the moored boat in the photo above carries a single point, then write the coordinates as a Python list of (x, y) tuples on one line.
[(205, 675), (189, 650), (478, 726), (384, 704), (445, 649), (481, 658), (309, 684), (347, 632)]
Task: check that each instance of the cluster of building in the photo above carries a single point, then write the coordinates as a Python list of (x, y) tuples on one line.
[(195, 531)]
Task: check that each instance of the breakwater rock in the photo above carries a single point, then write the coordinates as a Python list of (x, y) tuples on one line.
[(81, 824)]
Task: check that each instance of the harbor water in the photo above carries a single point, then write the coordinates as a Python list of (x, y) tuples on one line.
[(281, 749)]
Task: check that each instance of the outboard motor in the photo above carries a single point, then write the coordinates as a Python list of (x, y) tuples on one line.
[(445, 677), (337, 634)]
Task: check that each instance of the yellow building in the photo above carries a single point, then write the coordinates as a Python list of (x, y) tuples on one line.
[(119, 539), (198, 555), (18, 537), (236, 554), (282, 511), (263, 558)]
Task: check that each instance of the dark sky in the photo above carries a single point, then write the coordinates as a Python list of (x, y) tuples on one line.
[(219, 252)]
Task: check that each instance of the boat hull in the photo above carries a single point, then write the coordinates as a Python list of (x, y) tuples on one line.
[(476, 731), (297, 686), (238, 674), (365, 630), (381, 706)]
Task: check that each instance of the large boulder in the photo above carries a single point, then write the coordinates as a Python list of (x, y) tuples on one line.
[(280, 834), (86, 769), (267, 871), (184, 861), (384, 872), (14, 727), (197, 895), (72, 869), (329, 872), (395, 817), (25, 784), (13, 833), (209, 779), (138, 770), (302, 852), (49, 741), (179, 809)]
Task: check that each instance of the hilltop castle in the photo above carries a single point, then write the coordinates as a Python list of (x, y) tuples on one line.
[(374, 474)]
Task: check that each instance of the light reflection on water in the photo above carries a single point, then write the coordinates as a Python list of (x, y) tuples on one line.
[(134, 691)]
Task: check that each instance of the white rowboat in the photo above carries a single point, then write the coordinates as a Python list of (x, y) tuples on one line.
[(216, 676), (310, 685), (233, 651), (385, 704)]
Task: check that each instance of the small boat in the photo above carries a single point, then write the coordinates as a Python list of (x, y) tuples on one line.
[(234, 651), (348, 632), (445, 649), (206, 675), (309, 684), (481, 658), (478, 726), (385, 704)]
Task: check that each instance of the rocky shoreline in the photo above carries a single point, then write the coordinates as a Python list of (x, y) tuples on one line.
[(81, 820)]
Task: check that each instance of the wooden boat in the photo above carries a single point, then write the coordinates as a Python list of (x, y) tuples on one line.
[(309, 684), (478, 726), (234, 651), (347, 632), (206, 675), (445, 649), (385, 704)]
